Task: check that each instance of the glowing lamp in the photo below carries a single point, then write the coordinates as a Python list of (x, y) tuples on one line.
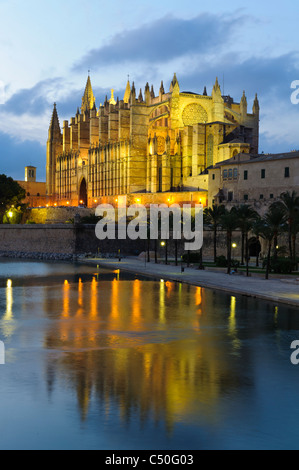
[(10, 214), (234, 245), (162, 243)]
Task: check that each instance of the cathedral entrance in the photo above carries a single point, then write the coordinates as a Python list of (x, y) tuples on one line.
[(83, 193)]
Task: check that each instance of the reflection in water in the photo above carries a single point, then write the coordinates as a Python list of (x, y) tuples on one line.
[(121, 352), (126, 349), (232, 324), (9, 325)]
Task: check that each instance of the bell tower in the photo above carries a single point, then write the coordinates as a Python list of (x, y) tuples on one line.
[(54, 148)]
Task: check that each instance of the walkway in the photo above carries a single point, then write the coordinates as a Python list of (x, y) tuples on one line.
[(277, 290)]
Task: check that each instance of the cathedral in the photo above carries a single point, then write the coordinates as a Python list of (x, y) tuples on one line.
[(148, 148)]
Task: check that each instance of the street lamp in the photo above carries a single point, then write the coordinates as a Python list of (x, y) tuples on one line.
[(234, 246), (165, 244)]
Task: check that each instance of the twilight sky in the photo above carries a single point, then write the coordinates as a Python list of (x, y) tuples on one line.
[(47, 49)]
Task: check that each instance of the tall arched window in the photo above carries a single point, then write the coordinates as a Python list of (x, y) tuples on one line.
[(210, 149)]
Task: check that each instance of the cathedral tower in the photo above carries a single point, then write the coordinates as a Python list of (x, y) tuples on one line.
[(54, 148)]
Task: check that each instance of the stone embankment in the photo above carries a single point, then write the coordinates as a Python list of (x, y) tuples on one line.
[(38, 256)]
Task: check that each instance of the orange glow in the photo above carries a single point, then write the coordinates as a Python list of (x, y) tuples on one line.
[(136, 310), (55, 204), (138, 200), (66, 299), (94, 298), (198, 300), (67, 202)]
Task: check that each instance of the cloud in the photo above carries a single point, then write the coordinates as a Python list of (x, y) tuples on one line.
[(14, 156), (164, 40)]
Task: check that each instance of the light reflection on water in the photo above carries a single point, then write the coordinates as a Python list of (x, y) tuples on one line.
[(102, 359)]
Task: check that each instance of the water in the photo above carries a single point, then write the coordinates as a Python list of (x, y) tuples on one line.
[(97, 359)]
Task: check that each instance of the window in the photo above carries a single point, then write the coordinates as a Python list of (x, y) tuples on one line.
[(230, 196), (210, 148), (245, 175), (263, 174), (235, 173), (287, 172), (224, 174), (261, 196), (230, 173), (271, 196), (245, 197), (213, 176)]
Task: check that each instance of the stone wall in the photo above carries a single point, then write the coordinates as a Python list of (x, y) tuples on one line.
[(64, 241), (54, 215)]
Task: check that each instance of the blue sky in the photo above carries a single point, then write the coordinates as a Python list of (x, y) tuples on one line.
[(48, 47)]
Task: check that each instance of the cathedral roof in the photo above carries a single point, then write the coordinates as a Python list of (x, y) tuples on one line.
[(88, 98), (127, 92), (54, 124)]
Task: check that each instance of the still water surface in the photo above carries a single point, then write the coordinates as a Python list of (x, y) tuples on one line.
[(98, 359)]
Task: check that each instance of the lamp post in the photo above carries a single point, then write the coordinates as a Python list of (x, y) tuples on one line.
[(165, 244), (234, 246)]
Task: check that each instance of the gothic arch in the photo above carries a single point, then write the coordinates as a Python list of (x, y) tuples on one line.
[(83, 192)]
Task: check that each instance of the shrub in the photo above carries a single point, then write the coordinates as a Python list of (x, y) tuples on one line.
[(194, 257), (281, 265), (221, 262)]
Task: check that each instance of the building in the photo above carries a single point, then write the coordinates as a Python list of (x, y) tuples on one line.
[(257, 180), (151, 148), (35, 191)]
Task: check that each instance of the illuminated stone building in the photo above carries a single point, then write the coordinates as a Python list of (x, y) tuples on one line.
[(35, 190), (154, 147)]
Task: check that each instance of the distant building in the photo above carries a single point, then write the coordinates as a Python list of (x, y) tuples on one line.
[(155, 148), (257, 180), (35, 191)]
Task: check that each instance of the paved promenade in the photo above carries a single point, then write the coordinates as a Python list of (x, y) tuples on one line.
[(277, 290)]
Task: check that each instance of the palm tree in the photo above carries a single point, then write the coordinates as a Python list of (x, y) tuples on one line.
[(273, 223), (246, 218), (278, 219), (229, 223), (212, 218), (290, 206), (256, 230)]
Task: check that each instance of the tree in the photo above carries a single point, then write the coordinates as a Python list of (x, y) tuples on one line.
[(212, 218), (278, 219), (229, 223), (246, 218), (290, 206), (11, 194), (272, 225), (257, 230)]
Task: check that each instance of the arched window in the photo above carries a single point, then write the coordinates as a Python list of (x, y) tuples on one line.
[(210, 149)]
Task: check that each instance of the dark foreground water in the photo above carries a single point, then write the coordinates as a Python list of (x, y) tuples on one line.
[(105, 360)]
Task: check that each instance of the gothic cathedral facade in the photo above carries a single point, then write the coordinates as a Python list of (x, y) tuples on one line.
[(145, 145)]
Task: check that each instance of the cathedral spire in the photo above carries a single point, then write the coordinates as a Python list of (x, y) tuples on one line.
[(54, 124), (127, 92), (112, 100), (88, 98), (256, 105)]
